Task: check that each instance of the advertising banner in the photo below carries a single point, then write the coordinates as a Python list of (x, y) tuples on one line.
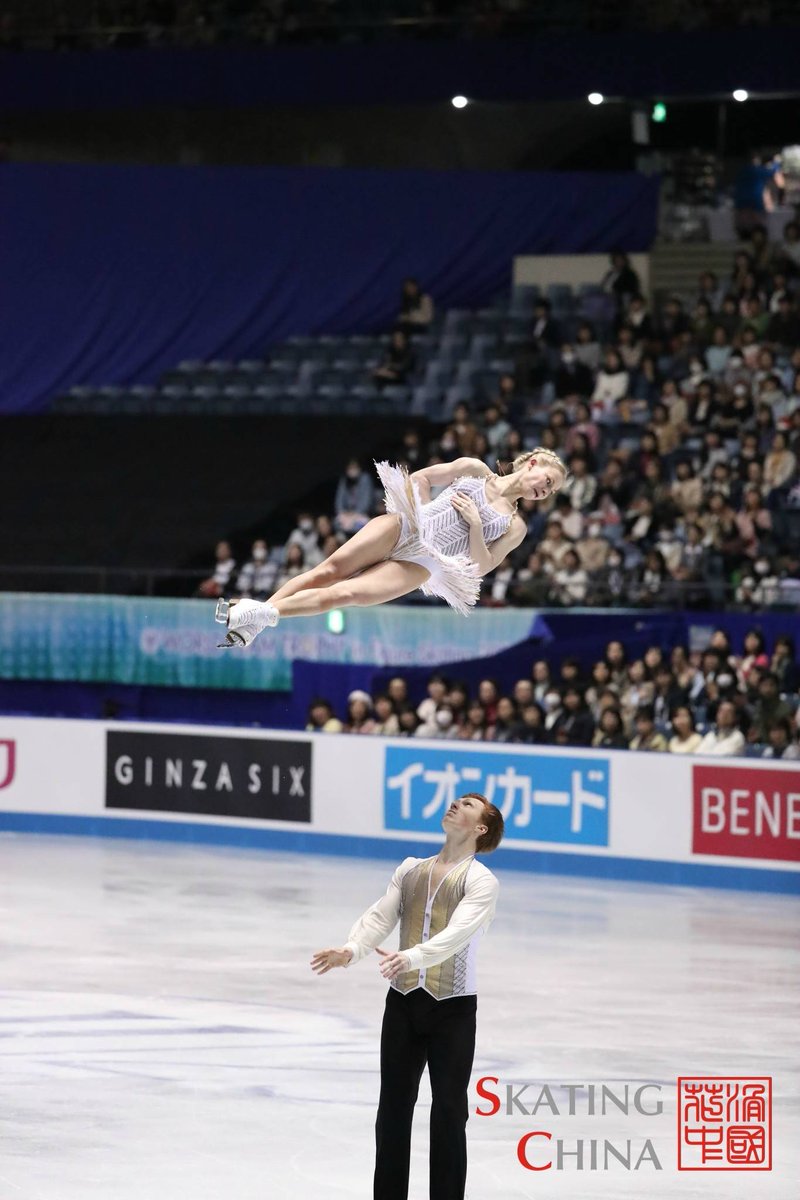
[(212, 776), (558, 798), (146, 640), (619, 814), (746, 812)]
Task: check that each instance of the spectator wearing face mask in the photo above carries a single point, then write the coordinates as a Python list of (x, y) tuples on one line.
[(257, 576), (304, 535), (444, 725), (437, 689), (759, 590), (355, 498), (551, 703)]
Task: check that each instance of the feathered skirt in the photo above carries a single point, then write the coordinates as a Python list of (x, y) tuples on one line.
[(453, 577)]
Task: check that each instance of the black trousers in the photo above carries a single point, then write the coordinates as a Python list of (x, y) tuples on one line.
[(417, 1030)]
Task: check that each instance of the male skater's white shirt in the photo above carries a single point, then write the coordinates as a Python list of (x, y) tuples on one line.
[(439, 932)]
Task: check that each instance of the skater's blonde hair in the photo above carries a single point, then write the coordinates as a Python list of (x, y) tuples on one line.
[(550, 457)]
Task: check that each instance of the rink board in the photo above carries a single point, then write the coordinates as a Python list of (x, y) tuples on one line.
[(680, 819)]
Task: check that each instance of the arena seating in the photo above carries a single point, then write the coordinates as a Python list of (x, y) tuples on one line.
[(460, 359)]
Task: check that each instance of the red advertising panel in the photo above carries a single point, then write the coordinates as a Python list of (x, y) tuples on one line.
[(746, 812)]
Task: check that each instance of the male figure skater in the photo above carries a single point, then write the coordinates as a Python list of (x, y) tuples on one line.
[(443, 904)]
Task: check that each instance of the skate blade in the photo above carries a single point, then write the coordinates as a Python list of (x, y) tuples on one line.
[(231, 639), (222, 611)]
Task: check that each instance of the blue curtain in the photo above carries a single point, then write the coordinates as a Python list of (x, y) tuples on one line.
[(112, 274)]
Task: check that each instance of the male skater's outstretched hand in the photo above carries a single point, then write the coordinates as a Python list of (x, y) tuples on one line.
[(325, 960)]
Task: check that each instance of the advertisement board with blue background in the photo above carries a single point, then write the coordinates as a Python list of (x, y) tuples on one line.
[(175, 643), (543, 798)]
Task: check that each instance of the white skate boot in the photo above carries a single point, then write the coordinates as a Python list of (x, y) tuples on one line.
[(245, 620)]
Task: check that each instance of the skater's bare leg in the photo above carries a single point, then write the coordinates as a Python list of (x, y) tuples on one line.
[(370, 545), (378, 584)]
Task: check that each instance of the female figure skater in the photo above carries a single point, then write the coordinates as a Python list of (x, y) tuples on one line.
[(443, 546)]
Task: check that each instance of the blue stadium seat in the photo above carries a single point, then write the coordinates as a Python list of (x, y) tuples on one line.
[(456, 321), (167, 405), (397, 393), (466, 374), (267, 391), (438, 374), (453, 346), (425, 400), (457, 394), (523, 298), (560, 295), (482, 346)]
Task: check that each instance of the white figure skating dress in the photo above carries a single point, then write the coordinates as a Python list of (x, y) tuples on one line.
[(436, 536)]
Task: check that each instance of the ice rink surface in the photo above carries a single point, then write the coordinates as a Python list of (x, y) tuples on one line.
[(163, 1038)]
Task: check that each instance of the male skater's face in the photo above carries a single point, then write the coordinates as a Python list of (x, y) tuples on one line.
[(466, 816)]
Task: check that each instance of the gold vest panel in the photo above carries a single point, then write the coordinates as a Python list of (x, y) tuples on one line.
[(447, 978)]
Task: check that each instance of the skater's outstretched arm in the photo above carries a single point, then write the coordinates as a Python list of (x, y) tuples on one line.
[(371, 928), (440, 474)]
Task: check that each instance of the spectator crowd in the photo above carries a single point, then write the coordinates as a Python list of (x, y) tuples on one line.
[(681, 431), (714, 701)]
